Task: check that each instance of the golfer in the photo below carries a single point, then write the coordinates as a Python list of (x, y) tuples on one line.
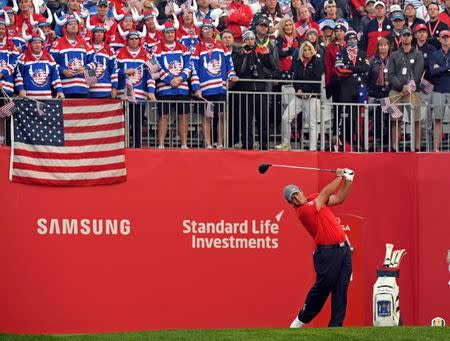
[(332, 258)]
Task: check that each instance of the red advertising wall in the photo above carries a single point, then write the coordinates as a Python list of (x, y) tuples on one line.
[(62, 274)]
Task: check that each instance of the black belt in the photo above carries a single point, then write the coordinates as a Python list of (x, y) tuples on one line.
[(332, 246)]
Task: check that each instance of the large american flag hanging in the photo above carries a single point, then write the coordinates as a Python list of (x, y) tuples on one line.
[(72, 143)]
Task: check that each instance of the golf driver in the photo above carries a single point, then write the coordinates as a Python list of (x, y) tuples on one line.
[(263, 168)]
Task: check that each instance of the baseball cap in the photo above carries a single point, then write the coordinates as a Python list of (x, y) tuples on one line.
[(369, 1), (395, 8), (420, 27), (340, 26), (350, 34), (397, 16), (102, 3), (408, 4), (327, 23), (379, 3), (328, 3), (444, 33), (405, 30), (289, 191)]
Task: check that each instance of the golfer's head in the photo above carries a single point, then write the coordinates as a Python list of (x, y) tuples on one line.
[(293, 195)]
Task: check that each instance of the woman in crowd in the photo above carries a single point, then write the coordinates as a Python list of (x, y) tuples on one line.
[(379, 88), (309, 68), (287, 42)]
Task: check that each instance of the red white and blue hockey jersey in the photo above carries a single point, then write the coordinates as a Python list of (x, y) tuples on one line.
[(106, 72), (151, 40), (173, 62), (141, 80), (188, 37), (16, 37), (73, 57), (213, 65), (8, 60), (38, 76)]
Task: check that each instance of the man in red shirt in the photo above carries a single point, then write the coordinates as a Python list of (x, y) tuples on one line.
[(332, 258)]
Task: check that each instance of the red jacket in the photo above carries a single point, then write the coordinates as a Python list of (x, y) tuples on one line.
[(445, 17), (240, 15), (330, 61)]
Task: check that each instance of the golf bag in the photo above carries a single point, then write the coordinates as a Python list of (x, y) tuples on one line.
[(386, 299)]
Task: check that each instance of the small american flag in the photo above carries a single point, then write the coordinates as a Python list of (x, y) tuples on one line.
[(426, 86), (385, 103), (89, 75), (8, 109), (394, 111), (209, 112), (301, 30), (411, 86), (152, 65), (74, 144), (129, 94)]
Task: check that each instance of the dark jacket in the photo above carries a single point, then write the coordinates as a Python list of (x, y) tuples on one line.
[(377, 90), (440, 76), (405, 66), (426, 50), (313, 71)]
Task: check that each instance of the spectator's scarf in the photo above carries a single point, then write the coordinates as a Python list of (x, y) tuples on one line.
[(352, 53), (289, 40), (380, 76)]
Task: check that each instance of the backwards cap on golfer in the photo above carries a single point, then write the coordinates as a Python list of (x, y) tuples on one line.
[(289, 191)]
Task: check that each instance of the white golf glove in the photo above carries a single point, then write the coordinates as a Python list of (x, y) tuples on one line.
[(349, 174)]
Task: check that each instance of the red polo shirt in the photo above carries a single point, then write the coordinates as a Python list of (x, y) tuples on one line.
[(321, 225)]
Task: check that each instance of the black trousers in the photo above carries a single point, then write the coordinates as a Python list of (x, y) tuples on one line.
[(333, 270)]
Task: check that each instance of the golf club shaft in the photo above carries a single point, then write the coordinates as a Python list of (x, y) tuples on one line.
[(307, 168)]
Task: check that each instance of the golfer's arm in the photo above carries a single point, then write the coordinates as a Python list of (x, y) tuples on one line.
[(327, 192), (341, 195)]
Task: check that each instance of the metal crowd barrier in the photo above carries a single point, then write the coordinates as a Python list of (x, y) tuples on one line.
[(268, 120)]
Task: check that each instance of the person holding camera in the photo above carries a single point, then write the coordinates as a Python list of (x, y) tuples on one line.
[(253, 63)]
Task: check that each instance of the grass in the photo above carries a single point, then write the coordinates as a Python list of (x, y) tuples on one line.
[(334, 334)]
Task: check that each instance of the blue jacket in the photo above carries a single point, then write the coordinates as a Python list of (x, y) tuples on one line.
[(440, 76)]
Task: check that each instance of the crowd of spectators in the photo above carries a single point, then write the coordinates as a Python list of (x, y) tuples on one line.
[(171, 51)]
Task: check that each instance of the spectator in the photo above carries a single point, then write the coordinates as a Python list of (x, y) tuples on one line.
[(106, 70), (73, 56), (175, 62), (254, 63), (101, 18), (188, 33), (440, 73), (272, 13), (378, 27), (294, 10), (37, 73), (43, 24), (330, 9), (410, 15), (435, 25), (351, 67), (134, 76), (203, 10), (153, 36), (444, 16), (332, 81), (378, 86), (370, 14), (406, 65), (26, 10), (287, 42), (125, 24), (309, 68), (240, 15), (398, 20), (327, 36), (14, 32), (421, 35), (213, 66), (305, 22), (358, 11)]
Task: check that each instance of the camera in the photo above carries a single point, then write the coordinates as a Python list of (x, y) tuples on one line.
[(248, 47)]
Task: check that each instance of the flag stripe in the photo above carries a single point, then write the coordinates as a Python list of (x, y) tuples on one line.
[(93, 122), (69, 156), (54, 182), (69, 169), (69, 162), (92, 142), (75, 150), (94, 135), (68, 176), (91, 128), (91, 115)]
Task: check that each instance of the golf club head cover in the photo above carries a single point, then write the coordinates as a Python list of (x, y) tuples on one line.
[(349, 174)]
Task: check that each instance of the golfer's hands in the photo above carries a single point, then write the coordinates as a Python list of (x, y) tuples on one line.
[(349, 174), (340, 172)]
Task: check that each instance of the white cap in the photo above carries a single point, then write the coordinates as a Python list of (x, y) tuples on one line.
[(379, 3), (395, 8)]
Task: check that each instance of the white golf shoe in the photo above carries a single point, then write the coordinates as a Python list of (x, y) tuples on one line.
[(296, 323)]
